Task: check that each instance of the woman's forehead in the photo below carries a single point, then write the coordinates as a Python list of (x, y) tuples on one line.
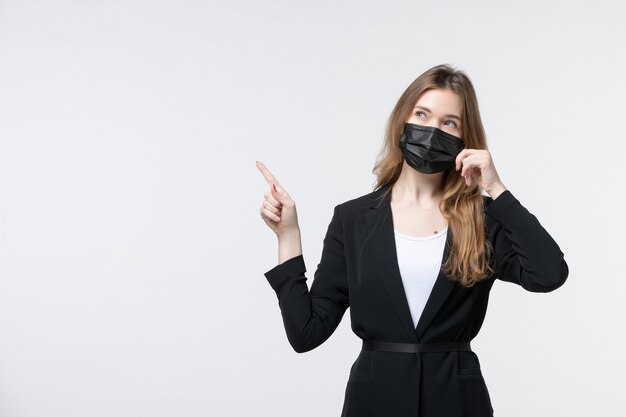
[(442, 101)]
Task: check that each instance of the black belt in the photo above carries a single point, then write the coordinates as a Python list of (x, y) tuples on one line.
[(415, 347)]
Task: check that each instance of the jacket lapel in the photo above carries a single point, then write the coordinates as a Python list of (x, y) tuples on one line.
[(383, 253)]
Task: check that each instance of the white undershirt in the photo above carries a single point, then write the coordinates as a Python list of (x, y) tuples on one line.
[(419, 260)]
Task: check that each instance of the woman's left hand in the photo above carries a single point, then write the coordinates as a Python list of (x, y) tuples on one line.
[(477, 167)]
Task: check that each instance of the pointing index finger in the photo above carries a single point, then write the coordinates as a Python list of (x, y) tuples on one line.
[(266, 173)]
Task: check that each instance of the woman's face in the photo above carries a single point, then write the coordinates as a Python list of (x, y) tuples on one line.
[(439, 108)]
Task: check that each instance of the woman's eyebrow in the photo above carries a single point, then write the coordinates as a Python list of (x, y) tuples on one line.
[(453, 116)]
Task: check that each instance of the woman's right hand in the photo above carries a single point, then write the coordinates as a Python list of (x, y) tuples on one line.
[(278, 209)]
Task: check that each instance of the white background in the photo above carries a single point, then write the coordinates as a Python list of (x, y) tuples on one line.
[(132, 251)]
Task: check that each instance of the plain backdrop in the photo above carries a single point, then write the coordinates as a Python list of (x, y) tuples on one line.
[(132, 250)]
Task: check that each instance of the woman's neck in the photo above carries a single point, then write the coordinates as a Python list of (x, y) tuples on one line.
[(416, 187)]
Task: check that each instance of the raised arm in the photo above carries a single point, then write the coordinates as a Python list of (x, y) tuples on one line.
[(310, 317), (525, 253)]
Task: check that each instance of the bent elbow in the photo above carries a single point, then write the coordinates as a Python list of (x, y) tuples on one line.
[(549, 281), (302, 346), (301, 339), (564, 273), (307, 338)]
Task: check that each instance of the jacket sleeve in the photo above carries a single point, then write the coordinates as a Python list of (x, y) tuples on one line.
[(525, 254), (310, 317)]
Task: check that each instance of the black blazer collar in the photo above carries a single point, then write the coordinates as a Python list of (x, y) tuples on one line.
[(382, 255)]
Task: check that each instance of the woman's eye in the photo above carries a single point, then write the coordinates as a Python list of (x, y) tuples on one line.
[(418, 113), (453, 122)]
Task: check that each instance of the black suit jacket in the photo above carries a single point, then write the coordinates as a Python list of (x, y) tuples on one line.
[(359, 269)]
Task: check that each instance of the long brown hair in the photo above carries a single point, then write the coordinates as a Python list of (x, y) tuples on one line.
[(462, 206)]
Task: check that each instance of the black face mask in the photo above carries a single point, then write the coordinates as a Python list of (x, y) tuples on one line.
[(429, 149)]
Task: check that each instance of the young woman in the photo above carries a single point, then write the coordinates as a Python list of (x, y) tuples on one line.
[(415, 259)]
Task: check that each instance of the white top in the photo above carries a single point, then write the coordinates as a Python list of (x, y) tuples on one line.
[(419, 261)]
